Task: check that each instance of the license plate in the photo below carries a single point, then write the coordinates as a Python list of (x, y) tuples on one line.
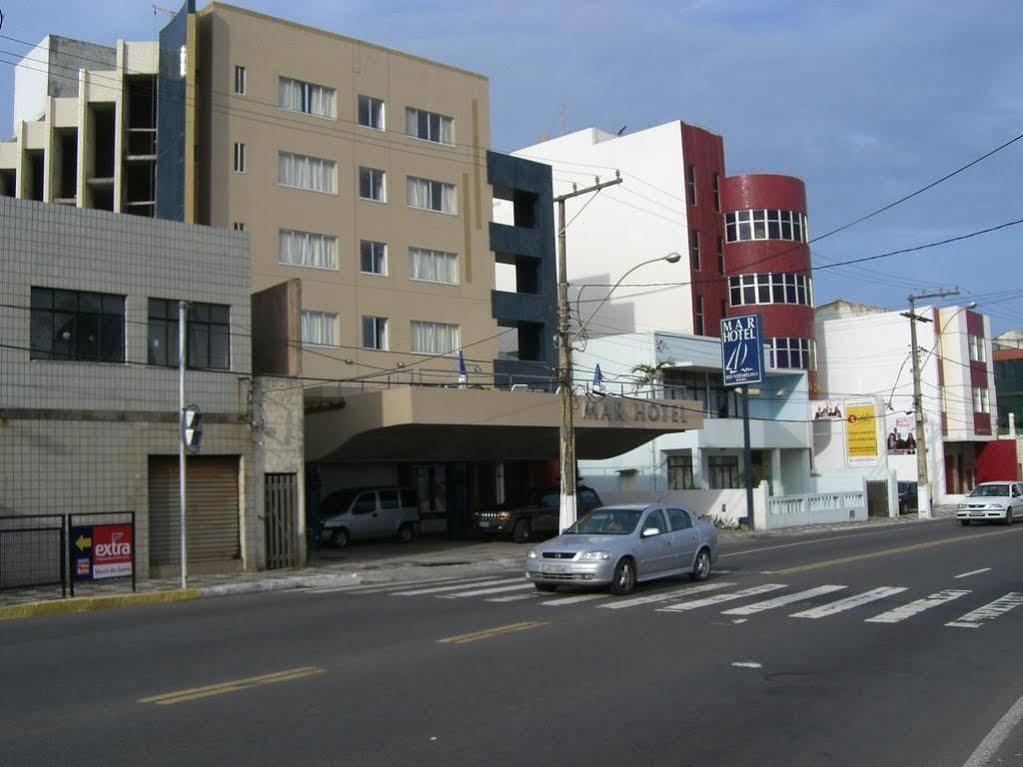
[(485, 523), (976, 513), (553, 569)]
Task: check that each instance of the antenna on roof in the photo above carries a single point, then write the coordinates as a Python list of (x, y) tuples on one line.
[(621, 130), (169, 12)]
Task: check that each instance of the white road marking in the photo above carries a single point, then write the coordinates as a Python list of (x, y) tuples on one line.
[(850, 602), (573, 600), (994, 739), (988, 612), (902, 612), (974, 572), (456, 587), (664, 596), (719, 598), (484, 592), (737, 621), (784, 599), (370, 588), (515, 597), (746, 664)]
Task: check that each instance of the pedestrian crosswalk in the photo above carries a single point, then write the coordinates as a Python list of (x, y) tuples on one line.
[(880, 605)]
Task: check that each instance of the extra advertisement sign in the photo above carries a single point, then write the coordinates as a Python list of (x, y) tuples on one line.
[(102, 551)]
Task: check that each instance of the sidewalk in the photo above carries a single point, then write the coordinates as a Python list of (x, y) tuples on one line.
[(360, 563)]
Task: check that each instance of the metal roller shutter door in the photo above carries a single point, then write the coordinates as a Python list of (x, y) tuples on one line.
[(212, 513)]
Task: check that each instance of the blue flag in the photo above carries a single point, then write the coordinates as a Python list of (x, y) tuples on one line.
[(463, 376), (598, 379)]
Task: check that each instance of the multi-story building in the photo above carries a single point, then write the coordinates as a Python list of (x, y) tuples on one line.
[(89, 400), (865, 357), (743, 238)]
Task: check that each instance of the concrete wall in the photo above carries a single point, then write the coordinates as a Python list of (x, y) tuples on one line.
[(30, 84)]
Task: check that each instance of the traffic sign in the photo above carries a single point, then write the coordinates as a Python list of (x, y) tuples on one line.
[(742, 350)]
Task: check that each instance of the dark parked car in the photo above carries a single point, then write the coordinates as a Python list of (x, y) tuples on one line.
[(538, 517), (907, 498)]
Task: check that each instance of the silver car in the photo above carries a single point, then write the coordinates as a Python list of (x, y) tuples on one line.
[(620, 546), (992, 501), (367, 512)]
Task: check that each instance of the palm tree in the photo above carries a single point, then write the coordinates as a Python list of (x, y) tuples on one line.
[(650, 375)]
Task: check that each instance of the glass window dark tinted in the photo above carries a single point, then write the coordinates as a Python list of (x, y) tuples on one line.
[(365, 504), (588, 496), (607, 521), (74, 325), (679, 519), (655, 519), (388, 499)]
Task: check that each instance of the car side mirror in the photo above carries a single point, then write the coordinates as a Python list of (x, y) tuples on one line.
[(650, 531)]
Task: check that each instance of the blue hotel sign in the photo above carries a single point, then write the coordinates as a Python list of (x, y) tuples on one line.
[(742, 350)]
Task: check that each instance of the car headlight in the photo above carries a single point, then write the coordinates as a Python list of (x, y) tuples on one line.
[(504, 516), (595, 555), (532, 554)]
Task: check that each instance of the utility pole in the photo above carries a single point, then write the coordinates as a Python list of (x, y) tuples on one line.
[(566, 435), (923, 488), (182, 316)]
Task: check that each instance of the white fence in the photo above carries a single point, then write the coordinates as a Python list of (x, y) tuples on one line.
[(726, 507), (815, 509)]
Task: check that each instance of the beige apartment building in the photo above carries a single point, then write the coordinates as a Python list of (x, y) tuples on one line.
[(363, 179)]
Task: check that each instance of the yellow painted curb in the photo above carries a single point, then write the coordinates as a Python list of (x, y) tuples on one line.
[(87, 604)]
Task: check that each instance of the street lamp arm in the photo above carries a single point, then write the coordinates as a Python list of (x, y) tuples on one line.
[(671, 258)]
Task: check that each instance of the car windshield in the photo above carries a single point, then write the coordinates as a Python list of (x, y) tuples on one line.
[(607, 522), (988, 491), (337, 502)]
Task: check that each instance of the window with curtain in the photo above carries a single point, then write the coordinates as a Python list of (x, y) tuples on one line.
[(310, 173), (433, 266), (371, 112), (374, 332), (372, 185), (429, 126), (432, 195), (307, 249), (309, 98), (320, 329), (435, 338), (374, 257)]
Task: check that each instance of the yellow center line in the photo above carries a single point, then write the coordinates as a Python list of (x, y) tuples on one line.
[(511, 628), (886, 553), (194, 693)]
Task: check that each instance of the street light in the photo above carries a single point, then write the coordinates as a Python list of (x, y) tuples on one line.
[(567, 510)]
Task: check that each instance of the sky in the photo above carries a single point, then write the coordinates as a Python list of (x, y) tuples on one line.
[(866, 102)]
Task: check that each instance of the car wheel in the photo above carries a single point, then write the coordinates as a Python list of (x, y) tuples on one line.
[(1008, 517), (521, 532), (406, 533), (701, 568), (965, 522), (339, 538), (545, 587), (624, 580)]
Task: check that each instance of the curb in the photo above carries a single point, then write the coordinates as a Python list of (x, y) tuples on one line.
[(278, 584), (88, 604)]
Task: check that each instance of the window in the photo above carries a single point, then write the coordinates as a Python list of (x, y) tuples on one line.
[(978, 349), (307, 249), (797, 353), (239, 226), (679, 520), (699, 315), (433, 266), (655, 519), (309, 173), (748, 289), (75, 325), (371, 112), (298, 96), (374, 257), (724, 471), (432, 195), (691, 184), (721, 255), (374, 333), (239, 80), (694, 249), (744, 225), (208, 330), (680, 472), (588, 498), (239, 157), (435, 338), (371, 184), (981, 401), (388, 499), (429, 126), (717, 192), (365, 504), (320, 329)]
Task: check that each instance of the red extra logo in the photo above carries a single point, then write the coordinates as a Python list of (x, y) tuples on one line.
[(111, 551)]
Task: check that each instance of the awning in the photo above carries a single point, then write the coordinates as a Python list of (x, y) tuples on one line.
[(448, 424)]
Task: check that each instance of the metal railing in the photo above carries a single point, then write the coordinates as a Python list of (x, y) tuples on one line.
[(32, 551)]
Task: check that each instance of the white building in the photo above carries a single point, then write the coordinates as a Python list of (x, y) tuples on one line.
[(864, 358)]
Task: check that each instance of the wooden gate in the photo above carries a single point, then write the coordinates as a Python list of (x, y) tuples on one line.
[(877, 499), (281, 520)]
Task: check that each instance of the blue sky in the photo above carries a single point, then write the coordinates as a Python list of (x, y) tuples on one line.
[(864, 101)]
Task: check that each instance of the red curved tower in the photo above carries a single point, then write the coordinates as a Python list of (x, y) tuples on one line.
[(767, 263)]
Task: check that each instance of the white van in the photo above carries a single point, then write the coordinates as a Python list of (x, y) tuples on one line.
[(362, 513)]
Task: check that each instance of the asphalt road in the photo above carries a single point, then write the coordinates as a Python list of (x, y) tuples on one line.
[(832, 649)]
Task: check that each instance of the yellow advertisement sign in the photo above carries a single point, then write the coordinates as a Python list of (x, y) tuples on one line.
[(861, 432)]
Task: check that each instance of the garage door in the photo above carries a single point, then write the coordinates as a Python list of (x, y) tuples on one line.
[(212, 511)]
